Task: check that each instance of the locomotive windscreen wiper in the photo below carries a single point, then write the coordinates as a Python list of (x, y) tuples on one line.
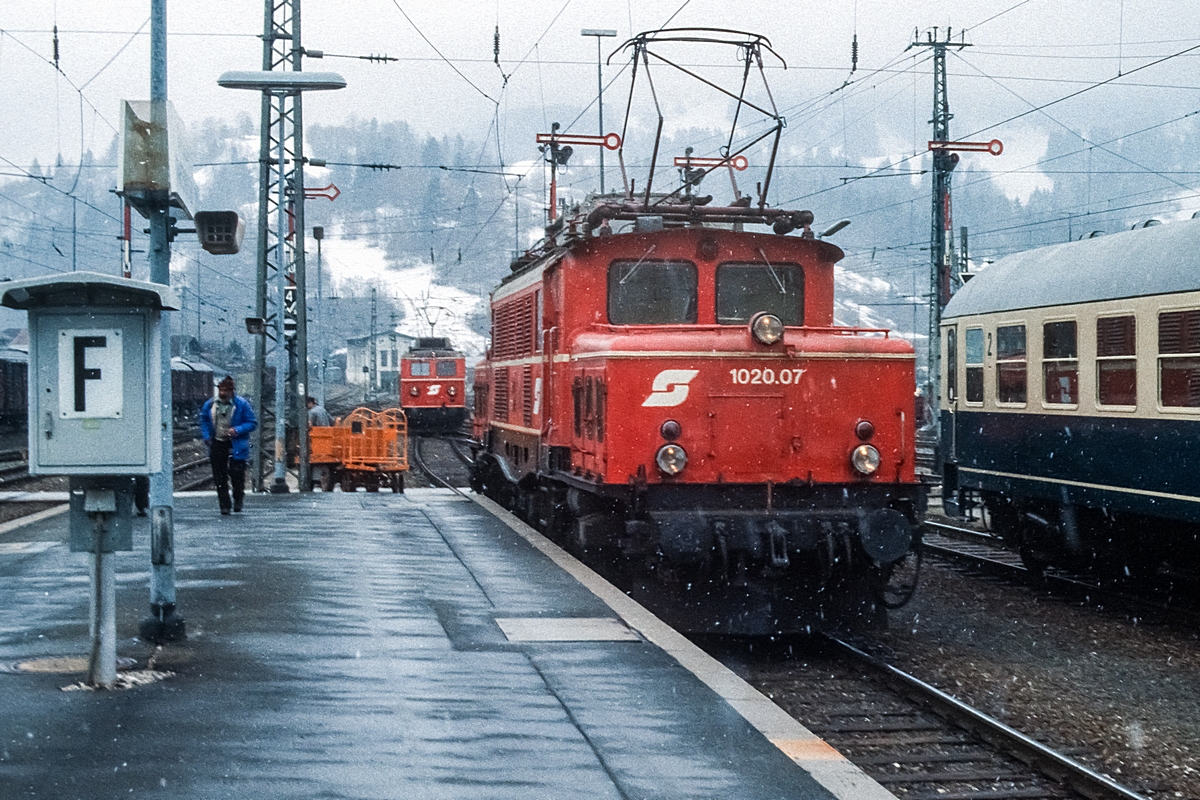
[(633, 269), (771, 269)]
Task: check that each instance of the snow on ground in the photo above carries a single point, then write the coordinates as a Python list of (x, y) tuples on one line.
[(354, 267)]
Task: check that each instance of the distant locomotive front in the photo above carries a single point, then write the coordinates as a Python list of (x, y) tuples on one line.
[(432, 385), (680, 401)]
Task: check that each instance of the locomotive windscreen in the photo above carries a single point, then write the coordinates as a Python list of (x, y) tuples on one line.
[(651, 292), (743, 290)]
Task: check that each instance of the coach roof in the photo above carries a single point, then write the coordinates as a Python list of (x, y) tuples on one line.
[(1162, 259)]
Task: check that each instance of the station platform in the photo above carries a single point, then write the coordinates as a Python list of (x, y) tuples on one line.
[(423, 645)]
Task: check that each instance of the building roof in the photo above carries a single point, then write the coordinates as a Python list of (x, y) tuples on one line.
[(1162, 259)]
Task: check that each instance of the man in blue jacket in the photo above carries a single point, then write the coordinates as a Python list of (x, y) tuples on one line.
[(225, 425)]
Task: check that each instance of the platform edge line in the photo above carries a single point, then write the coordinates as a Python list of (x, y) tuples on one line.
[(814, 755)]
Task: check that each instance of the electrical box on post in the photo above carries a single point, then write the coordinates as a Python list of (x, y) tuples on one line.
[(95, 405)]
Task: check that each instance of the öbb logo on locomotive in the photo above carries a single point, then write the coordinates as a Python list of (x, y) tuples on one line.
[(667, 394), (670, 387)]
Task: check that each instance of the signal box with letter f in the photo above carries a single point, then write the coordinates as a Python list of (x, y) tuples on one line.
[(95, 405)]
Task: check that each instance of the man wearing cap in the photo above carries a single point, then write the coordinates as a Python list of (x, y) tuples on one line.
[(225, 425)]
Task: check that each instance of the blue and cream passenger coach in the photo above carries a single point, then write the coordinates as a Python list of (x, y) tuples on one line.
[(1071, 398)]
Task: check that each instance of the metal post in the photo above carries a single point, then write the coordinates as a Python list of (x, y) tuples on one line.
[(102, 659), (598, 33), (319, 234), (261, 288), (279, 486), (164, 624), (299, 263), (943, 162)]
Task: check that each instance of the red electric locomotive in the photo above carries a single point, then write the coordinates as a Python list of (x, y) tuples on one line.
[(433, 386), (674, 403)]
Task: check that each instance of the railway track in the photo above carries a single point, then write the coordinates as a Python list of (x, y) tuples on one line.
[(986, 553), (971, 751), (916, 741), (440, 458)]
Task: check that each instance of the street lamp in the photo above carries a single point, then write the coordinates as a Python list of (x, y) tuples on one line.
[(599, 33), (283, 83), (319, 234)]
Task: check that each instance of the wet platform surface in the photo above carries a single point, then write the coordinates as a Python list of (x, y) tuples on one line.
[(377, 646)]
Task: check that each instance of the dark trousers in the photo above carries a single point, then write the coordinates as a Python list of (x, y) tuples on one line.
[(227, 470)]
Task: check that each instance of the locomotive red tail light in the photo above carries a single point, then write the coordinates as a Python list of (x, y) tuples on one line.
[(865, 459), (766, 328), (671, 459), (671, 430), (864, 430)]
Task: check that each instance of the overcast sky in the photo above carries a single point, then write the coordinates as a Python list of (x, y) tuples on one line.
[(1023, 52)]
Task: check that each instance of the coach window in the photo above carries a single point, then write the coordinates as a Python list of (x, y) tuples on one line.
[(420, 369), (974, 360), (1010, 364), (1116, 361), (744, 290), (1179, 359), (1060, 363), (651, 292), (447, 369)]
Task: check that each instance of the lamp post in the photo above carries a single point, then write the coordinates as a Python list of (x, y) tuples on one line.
[(281, 84), (599, 33), (319, 234)]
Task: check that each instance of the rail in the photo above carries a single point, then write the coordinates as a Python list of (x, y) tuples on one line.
[(1061, 768)]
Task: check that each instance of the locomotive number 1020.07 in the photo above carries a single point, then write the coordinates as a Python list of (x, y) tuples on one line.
[(766, 376)]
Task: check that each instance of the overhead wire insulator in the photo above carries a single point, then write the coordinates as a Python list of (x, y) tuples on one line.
[(56, 48), (496, 45), (854, 54)]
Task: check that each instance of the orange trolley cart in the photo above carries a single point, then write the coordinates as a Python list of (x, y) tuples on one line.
[(366, 448)]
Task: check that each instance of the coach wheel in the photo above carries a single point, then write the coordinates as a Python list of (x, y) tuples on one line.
[(898, 581), (348, 484), (372, 483), (1034, 563), (326, 480), (397, 483)]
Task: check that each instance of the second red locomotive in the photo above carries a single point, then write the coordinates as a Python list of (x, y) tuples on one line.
[(432, 385)]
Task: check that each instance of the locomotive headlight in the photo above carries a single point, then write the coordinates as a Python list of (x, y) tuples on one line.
[(451, 391), (671, 459), (414, 391), (865, 459), (766, 328)]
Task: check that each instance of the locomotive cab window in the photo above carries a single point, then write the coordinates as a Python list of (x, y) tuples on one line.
[(1060, 363), (1116, 361), (974, 361), (446, 369), (420, 369), (745, 289), (1010, 364), (652, 292), (1179, 359)]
